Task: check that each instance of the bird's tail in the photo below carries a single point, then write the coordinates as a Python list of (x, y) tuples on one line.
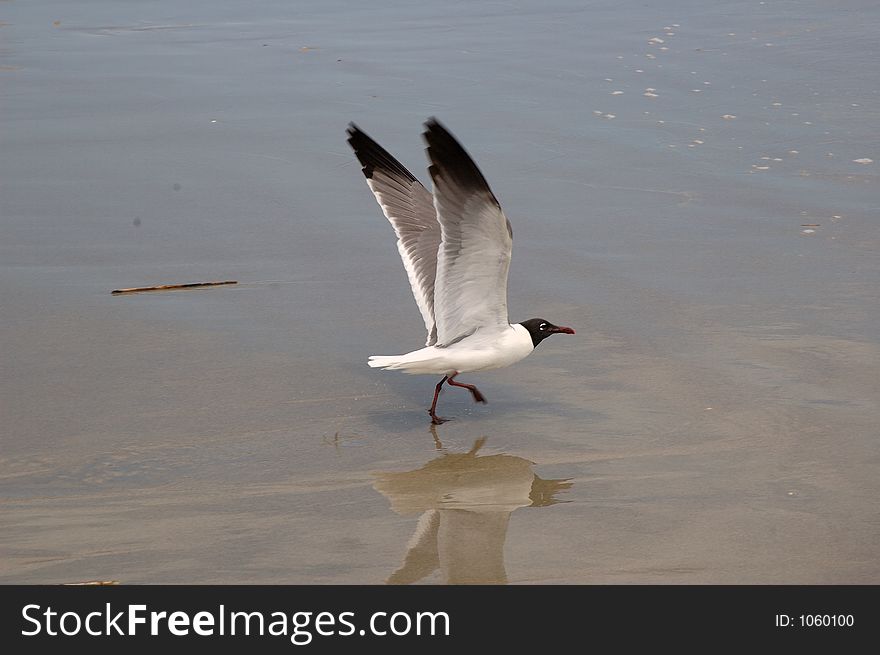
[(384, 361), (416, 362)]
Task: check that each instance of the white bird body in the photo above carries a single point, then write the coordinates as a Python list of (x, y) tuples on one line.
[(485, 349), (455, 244)]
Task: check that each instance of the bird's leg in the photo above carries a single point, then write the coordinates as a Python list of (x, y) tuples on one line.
[(478, 397), (436, 420)]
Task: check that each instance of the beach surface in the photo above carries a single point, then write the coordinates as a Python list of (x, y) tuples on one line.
[(693, 189)]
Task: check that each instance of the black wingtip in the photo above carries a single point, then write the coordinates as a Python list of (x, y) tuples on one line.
[(449, 159), (432, 123), (353, 130), (372, 156), (435, 128), (356, 136)]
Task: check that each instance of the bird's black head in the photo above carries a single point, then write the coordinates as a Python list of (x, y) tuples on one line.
[(541, 329)]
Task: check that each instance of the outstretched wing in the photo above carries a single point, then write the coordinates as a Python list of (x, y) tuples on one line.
[(410, 209), (470, 291)]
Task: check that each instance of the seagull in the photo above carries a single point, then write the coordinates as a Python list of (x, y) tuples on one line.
[(455, 245)]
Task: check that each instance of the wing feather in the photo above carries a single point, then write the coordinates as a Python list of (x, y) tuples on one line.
[(470, 289), (409, 208)]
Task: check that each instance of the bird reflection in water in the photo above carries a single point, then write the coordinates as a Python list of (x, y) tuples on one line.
[(465, 501)]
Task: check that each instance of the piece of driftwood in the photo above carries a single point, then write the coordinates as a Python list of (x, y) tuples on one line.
[(91, 583), (164, 287)]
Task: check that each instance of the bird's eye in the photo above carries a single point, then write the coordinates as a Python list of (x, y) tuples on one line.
[(542, 326)]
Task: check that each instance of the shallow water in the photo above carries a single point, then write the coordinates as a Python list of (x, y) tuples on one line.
[(714, 419)]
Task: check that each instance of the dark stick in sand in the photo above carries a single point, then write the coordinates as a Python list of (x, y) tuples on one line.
[(163, 287)]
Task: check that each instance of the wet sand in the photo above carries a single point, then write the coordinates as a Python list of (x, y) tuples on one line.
[(714, 420)]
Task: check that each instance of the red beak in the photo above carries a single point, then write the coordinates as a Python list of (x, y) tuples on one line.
[(563, 330)]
